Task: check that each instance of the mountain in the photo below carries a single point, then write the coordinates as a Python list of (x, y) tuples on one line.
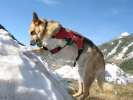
[(24, 76), (120, 51)]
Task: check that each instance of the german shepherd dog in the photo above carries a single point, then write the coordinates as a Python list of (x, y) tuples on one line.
[(93, 64)]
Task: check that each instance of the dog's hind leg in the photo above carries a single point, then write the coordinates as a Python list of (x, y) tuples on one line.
[(80, 89), (100, 74), (87, 84), (101, 79), (89, 77)]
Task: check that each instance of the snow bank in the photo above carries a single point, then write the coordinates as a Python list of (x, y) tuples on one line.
[(23, 75)]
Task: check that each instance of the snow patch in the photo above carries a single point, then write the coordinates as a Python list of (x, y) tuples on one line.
[(112, 74), (121, 54), (105, 50), (112, 43), (114, 50), (124, 34), (116, 75), (68, 72), (130, 55)]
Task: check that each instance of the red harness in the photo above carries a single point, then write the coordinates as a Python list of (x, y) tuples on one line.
[(72, 36), (65, 34)]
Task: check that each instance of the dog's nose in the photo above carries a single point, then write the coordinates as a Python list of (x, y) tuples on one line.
[(32, 42)]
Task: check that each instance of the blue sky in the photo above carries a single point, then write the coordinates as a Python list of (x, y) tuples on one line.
[(99, 20)]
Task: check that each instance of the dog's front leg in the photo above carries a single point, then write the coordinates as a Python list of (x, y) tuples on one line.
[(80, 89), (38, 50)]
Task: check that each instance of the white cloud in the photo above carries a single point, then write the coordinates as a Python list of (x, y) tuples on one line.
[(49, 2)]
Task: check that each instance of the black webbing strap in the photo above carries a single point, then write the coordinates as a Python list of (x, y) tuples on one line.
[(77, 58)]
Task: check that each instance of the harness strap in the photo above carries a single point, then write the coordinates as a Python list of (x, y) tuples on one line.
[(77, 58), (55, 50), (70, 42)]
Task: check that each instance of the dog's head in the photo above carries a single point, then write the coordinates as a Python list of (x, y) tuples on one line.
[(37, 30), (40, 29)]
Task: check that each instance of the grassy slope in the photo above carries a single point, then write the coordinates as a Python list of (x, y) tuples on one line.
[(127, 66), (111, 92), (118, 92)]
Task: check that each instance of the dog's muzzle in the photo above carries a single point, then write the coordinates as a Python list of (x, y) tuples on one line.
[(37, 42), (32, 42)]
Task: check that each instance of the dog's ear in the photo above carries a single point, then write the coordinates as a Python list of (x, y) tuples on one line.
[(35, 16)]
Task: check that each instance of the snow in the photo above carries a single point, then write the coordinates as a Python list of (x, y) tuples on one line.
[(112, 74), (105, 50), (112, 43), (121, 54), (130, 55), (23, 76), (68, 72), (114, 50), (115, 74), (4, 32), (124, 34)]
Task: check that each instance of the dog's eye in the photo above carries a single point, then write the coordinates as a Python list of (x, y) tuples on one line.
[(32, 33)]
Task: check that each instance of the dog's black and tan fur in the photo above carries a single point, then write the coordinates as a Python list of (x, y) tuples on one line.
[(93, 65)]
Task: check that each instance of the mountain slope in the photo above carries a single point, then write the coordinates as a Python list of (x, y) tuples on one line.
[(120, 51)]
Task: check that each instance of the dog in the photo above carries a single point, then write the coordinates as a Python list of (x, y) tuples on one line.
[(90, 58)]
